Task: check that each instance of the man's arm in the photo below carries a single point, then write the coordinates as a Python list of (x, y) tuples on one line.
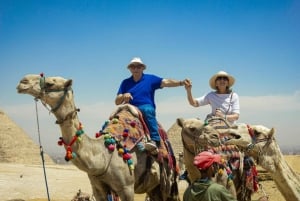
[(171, 83)]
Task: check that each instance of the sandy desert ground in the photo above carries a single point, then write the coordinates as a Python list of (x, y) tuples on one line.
[(27, 182)]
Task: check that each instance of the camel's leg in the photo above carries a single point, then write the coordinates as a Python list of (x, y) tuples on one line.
[(127, 194), (99, 189), (156, 194)]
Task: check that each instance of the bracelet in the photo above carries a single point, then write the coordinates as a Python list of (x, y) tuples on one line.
[(225, 117), (180, 83)]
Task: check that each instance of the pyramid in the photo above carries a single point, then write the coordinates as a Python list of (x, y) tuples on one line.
[(16, 146)]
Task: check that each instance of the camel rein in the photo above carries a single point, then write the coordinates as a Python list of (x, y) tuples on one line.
[(41, 149)]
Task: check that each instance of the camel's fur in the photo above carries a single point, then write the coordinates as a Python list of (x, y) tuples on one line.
[(106, 169), (262, 146)]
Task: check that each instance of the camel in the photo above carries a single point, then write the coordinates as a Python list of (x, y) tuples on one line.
[(256, 141), (265, 150), (194, 142), (109, 171)]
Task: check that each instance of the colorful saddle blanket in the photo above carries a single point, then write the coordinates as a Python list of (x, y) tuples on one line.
[(127, 126)]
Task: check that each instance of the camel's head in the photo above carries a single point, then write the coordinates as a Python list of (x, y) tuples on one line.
[(200, 134), (49, 89), (265, 149)]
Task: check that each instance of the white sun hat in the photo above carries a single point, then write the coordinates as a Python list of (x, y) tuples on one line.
[(136, 60), (212, 81)]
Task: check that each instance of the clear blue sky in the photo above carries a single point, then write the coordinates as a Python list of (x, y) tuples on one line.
[(91, 42)]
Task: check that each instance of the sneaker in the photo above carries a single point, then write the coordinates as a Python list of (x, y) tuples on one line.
[(151, 147)]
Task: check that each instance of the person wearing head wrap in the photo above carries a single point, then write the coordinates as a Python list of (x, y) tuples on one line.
[(139, 90), (223, 101), (204, 189)]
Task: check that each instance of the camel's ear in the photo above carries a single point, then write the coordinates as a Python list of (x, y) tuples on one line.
[(272, 133), (68, 83), (180, 122)]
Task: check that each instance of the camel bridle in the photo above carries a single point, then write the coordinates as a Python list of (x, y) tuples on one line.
[(268, 140), (195, 136), (45, 90)]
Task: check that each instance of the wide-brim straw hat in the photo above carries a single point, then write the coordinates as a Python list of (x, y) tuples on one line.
[(136, 60), (212, 81)]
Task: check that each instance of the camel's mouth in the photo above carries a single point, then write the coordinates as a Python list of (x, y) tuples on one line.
[(25, 89), (22, 89)]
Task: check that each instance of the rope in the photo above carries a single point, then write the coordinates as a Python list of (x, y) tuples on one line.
[(41, 148)]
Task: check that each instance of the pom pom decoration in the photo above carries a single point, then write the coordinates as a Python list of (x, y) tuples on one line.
[(61, 141), (109, 142), (77, 137), (115, 120), (107, 136), (121, 151), (132, 124), (69, 155), (126, 156), (111, 147), (129, 162), (125, 133), (97, 135)]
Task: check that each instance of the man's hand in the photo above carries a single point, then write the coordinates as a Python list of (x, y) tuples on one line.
[(127, 97), (187, 83)]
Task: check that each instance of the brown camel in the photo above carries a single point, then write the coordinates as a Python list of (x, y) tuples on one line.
[(109, 170), (194, 142), (256, 141)]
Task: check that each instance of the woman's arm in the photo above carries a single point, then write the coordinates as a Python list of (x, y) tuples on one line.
[(232, 117), (188, 87)]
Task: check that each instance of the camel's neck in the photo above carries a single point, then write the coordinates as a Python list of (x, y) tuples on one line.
[(67, 119), (82, 155), (287, 181)]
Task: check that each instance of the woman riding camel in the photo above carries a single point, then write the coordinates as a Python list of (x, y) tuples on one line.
[(223, 101)]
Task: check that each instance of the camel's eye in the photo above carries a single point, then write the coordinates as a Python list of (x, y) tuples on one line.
[(215, 136), (49, 85), (24, 81), (192, 129)]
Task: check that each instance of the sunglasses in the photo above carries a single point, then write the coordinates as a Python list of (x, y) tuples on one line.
[(136, 67), (222, 78)]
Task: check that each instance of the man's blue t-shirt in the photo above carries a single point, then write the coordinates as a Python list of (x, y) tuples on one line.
[(142, 91)]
